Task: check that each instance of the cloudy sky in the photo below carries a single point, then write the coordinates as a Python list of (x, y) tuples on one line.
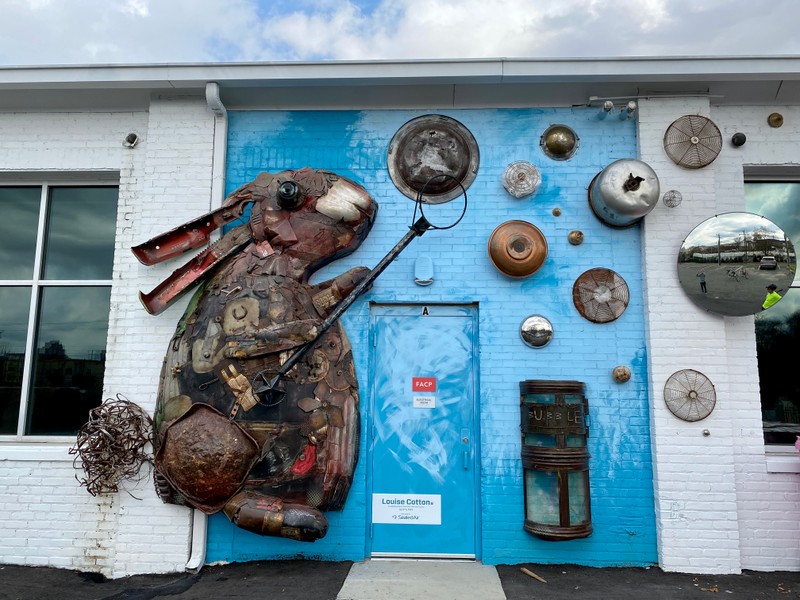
[(48, 32)]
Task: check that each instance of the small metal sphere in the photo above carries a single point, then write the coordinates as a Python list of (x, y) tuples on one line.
[(536, 331), (575, 237), (621, 374), (738, 139), (775, 119)]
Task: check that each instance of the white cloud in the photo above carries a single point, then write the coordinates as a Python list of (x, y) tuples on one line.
[(136, 7), (144, 31)]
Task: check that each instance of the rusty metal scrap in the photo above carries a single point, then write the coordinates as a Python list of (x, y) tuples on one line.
[(257, 410), (113, 445), (206, 456)]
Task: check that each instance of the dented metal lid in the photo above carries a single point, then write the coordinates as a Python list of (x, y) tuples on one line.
[(428, 146), (624, 192)]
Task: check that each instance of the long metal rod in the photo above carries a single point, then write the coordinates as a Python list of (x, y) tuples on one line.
[(416, 230)]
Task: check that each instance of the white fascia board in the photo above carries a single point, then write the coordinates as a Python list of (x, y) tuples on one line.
[(257, 74), (416, 72), (662, 69)]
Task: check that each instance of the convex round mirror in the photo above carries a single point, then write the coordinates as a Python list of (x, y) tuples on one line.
[(536, 331), (729, 264)]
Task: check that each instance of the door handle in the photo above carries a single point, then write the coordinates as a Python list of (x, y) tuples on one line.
[(465, 440)]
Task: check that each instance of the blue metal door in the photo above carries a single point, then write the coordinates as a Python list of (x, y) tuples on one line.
[(423, 432)]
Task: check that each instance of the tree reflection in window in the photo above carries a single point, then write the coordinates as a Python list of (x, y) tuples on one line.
[(57, 250), (778, 328)]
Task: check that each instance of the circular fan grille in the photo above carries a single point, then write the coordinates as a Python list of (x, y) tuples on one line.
[(600, 295), (521, 179), (692, 141), (672, 198), (690, 395)]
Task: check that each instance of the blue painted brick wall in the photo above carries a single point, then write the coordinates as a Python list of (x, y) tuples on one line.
[(355, 144)]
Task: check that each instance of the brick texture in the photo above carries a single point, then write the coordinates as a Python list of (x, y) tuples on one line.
[(51, 520), (661, 491), (355, 144), (713, 493)]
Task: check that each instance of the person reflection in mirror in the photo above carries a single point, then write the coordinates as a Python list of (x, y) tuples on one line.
[(702, 275), (772, 296)]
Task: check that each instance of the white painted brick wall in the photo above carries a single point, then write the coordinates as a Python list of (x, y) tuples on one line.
[(768, 502), (168, 186), (165, 180), (718, 509), (680, 336)]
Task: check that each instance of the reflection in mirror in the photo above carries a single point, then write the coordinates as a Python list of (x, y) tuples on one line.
[(536, 331), (726, 264), (779, 202)]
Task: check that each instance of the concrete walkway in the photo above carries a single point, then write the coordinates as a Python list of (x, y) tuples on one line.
[(383, 579)]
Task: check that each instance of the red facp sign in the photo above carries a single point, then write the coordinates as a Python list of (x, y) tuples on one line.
[(423, 384)]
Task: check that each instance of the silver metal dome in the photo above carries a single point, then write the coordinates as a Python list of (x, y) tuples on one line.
[(624, 192)]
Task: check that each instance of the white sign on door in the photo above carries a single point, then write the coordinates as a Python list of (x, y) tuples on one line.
[(407, 509), (424, 402)]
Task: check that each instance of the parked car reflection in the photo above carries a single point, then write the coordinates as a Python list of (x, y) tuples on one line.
[(768, 263), (722, 266)]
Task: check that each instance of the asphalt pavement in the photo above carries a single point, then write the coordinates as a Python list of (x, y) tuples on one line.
[(321, 580)]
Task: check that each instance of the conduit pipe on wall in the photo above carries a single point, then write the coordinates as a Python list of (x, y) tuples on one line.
[(197, 555), (220, 144)]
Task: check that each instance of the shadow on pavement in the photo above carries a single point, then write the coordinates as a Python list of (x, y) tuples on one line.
[(573, 582), (278, 580)]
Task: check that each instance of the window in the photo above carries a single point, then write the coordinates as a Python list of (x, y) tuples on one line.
[(778, 329), (56, 255)]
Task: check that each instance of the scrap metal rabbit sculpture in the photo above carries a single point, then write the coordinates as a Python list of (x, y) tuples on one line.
[(271, 448)]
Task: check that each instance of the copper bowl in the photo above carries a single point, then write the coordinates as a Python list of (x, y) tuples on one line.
[(517, 248)]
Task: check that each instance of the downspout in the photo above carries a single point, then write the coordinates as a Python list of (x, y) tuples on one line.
[(197, 556), (220, 144)]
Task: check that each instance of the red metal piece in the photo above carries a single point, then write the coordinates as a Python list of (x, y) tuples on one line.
[(190, 273), (305, 461), (188, 236)]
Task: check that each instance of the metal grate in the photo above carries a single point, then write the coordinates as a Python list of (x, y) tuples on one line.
[(690, 395), (600, 295), (692, 141)]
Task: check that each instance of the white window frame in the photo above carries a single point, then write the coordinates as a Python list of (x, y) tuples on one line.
[(780, 458), (36, 284)]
